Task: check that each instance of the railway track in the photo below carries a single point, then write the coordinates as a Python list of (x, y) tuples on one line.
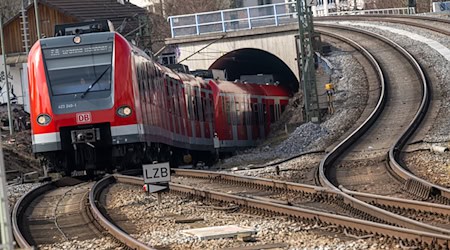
[(414, 234), (269, 207), (61, 211), (339, 168), (416, 186), (381, 136), (438, 25)]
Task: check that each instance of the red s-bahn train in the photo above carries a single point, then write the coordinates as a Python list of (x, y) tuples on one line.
[(98, 102)]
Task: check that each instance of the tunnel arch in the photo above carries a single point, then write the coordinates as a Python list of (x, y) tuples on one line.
[(250, 61)]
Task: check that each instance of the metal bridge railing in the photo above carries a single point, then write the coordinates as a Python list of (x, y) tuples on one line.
[(251, 17), (393, 11)]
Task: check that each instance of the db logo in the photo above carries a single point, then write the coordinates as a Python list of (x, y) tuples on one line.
[(84, 117)]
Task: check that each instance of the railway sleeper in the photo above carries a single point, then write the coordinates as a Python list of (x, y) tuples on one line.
[(417, 188), (316, 221)]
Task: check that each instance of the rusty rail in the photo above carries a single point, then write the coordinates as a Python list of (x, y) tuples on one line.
[(412, 184), (18, 213), (331, 157), (425, 239), (114, 230)]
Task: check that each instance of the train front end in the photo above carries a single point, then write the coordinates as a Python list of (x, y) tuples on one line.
[(81, 108)]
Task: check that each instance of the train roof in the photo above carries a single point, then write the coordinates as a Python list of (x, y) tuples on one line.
[(185, 78), (247, 88)]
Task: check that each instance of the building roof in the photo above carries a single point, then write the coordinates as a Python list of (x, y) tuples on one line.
[(89, 10)]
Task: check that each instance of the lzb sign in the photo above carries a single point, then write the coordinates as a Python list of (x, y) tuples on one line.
[(156, 173)]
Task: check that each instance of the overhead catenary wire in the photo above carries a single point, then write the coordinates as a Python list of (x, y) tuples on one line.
[(204, 47)]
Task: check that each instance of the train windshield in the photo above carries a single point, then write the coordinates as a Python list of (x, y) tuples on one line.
[(72, 70)]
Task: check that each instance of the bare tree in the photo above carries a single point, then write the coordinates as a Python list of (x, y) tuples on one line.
[(176, 7), (421, 5), (9, 8), (160, 28)]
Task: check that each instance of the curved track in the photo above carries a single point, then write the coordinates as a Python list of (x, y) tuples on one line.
[(53, 213), (269, 207), (399, 103), (62, 211), (416, 186)]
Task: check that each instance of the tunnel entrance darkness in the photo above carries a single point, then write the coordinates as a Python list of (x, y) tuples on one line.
[(255, 61)]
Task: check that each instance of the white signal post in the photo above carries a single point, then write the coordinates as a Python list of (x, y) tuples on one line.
[(156, 178)]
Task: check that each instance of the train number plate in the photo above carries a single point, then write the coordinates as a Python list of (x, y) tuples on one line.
[(84, 117)]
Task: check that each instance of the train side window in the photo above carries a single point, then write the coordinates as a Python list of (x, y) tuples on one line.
[(189, 102), (204, 109), (244, 111), (178, 96), (238, 113), (169, 95), (209, 109), (272, 113), (283, 107), (226, 109), (264, 113), (255, 118), (248, 112), (278, 111), (200, 110)]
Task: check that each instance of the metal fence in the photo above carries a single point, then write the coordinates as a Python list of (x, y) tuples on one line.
[(251, 17), (393, 11)]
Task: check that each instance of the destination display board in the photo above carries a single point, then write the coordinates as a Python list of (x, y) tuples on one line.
[(79, 50)]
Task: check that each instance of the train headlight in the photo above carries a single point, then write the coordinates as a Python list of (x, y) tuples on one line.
[(124, 111), (77, 39), (43, 120)]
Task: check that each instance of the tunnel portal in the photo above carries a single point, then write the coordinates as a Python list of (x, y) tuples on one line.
[(249, 61)]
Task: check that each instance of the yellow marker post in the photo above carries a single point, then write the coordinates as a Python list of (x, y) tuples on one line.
[(329, 88)]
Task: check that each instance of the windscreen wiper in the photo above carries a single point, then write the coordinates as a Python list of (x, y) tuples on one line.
[(95, 82)]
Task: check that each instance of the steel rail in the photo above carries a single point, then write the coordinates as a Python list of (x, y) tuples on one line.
[(366, 17), (331, 157), (114, 230), (23, 240), (257, 181), (413, 184), (411, 236), (405, 204), (398, 21), (283, 186)]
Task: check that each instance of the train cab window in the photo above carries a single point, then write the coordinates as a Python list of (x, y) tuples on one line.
[(283, 107), (75, 73)]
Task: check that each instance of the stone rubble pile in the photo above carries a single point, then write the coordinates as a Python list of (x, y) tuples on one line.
[(351, 96)]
